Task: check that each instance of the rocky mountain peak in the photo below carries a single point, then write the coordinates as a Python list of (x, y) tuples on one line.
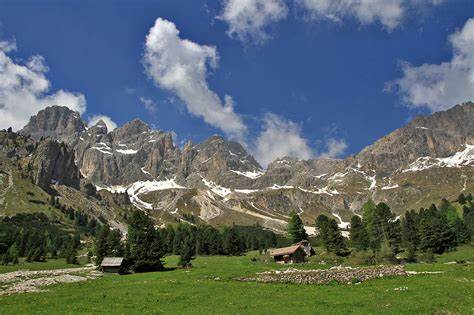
[(57, 122), (131, 130)]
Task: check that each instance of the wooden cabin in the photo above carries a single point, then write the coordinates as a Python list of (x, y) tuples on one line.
[(289, 255), (306, 245), (112, 264)]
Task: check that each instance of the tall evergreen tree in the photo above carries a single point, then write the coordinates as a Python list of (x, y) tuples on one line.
[(187, 251), (141, 238), (358, 234), (296, 231)]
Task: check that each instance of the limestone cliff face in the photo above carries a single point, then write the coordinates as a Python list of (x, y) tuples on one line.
[(53, 162), (438, 135), (57, 122)]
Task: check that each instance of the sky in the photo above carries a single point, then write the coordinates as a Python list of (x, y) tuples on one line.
[(300, 78)]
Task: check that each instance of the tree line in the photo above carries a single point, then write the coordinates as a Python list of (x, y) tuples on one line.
[(383, 235), (36, 238), (145, 245)]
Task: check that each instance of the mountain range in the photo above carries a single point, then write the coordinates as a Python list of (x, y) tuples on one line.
[(106, 173)]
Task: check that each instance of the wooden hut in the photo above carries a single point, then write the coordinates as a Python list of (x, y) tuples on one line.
[(289, 255), (306, 245), (112, 264)]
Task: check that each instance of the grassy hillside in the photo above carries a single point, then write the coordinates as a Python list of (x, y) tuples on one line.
[(209, 288)]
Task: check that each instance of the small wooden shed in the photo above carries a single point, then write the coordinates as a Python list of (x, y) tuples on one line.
[(289, 255), (112, 264)]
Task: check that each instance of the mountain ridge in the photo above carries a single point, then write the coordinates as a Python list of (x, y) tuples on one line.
[(218, 181)]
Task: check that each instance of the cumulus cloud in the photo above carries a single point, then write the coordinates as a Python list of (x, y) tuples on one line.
[(250, 19), (111, 125), (181, 66), (24, 89), (441, 86), (279, 138), (149, 104), (334, 148), (388, 12)]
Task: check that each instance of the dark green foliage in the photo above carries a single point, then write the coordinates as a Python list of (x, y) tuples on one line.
[(468, 217), (187, 251), (461, 199), (232, 243), (358, 234), (144, 246), (296, 231), (331, 235), (436, 235), (32, 236), (71, 254)]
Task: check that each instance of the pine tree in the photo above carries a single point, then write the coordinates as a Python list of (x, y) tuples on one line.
[(358, 234), (468, 217), (436, 235), (101, 247), (114, 243), (335, 241), (187, 251), (71, 254), (461, 199), (141, 239), (296, 231), (231, 243), (322, 222)]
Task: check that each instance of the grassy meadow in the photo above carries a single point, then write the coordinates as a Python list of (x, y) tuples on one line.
[(210, 288)]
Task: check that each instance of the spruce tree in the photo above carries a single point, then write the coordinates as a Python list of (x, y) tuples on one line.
[(335, 241), (101, 248), (187, 251), (358, 234), (296, 231)]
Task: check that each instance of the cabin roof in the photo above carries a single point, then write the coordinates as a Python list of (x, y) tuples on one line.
[(112, 262), (285, 250)]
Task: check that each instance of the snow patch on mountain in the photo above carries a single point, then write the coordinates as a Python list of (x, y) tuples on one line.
[(218, 190), (342, 224), (126, 151), (459, 159), (142, 187), (102, 147), (252, 175)]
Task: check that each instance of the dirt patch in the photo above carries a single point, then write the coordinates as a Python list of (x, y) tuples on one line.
[(324, 276), (32, 281)]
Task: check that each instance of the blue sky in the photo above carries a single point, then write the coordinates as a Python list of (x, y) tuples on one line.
[(317, 74)]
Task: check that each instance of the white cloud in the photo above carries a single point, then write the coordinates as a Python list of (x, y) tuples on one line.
[(250, 19), (111, 125), (181, 66), (389, 13), (441, 86), (334, 148), (149, 104), (24, 89), (280, 138)]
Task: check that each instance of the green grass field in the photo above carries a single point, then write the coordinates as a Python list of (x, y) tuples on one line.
[(209, 288)]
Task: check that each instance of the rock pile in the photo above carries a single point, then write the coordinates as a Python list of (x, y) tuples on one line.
[(32, 281), (323, 276)]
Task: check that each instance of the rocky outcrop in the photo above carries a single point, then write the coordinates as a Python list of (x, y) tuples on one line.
[(57, 122), (439, 135), (53, 162)]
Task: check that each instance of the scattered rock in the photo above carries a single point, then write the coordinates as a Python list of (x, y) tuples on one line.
[(339, 274)]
